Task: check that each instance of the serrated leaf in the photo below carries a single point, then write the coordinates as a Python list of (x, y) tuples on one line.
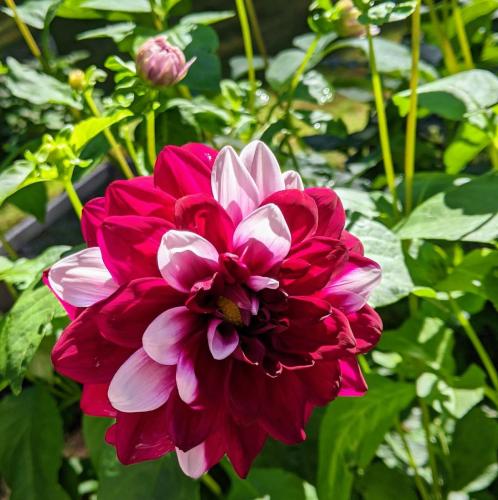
[(31, 445), (87, 129), (382, 245), (468, 212), (351, 431), (23, 329)]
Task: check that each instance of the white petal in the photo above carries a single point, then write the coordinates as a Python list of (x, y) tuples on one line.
[(258, 283), (292, 180), (186, 378), (233, 186), (263, 167), (163, 338), (263, 238), (185, 258), (141, 384), (221, 344), (81, 279)]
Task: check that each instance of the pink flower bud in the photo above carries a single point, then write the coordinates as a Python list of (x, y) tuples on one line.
[(161, 63)]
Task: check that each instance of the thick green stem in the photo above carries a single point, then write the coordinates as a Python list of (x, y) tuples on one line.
[(150, 121), (9, 249), (246, 36), (26, 33), (381, 116), (258, 36), (462, 35), (450, 60), (411, 121), (73, 196), (493, 155), (115, 148), (212, 485), (426, 423), (474, 338), (411, 460)]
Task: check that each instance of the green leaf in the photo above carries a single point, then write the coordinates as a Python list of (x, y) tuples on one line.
[(117, 32), (351, 431), (469, 141), (32, 12), (466, 93), (31, 445), (388, 12), (25, 272), (473, 449), (382, 483), (23, 329), (314, 87), (37, 88), (382, 245), (283, 67), (467, 212), (239, 66), (391, 57), (32, 199), (12, 178), (356, 201), (271, 483), (87, 129), (208, 17), (94, 429)]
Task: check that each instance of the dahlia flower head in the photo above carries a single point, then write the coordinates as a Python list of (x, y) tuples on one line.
[(218, 302)]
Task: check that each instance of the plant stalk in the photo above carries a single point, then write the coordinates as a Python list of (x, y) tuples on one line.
[(9, 249), (26, 33), (73, 196), (246, 36), (411, 121), (474, 338), (430, 451), (462, 35), (258, 36), (212, 485), (150, 122), (450, 60), (411, 460), (381, 116), (158, 24), (115, 148), (302, 67)]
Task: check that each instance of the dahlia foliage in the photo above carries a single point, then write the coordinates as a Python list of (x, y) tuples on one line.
[(218, 302)]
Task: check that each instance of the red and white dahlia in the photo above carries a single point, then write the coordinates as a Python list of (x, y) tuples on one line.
[(217, 304)]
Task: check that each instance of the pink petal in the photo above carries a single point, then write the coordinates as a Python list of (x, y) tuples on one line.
[(185, 258), (331, 215), (258, 283), (263, 238), (141, 384), (352, 287), (93, 214), (186, 379), (292, 180), (233, 186), (353, 383), (263, 167), (81, 279), (198, 460), (94, 401), (164, 337), (222, 340)]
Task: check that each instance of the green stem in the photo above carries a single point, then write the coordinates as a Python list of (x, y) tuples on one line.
[(462, 35), (73, 196), (381, 116), (302, 68), (411, 460), (246, 36), (474, 338), (150, 121), (115, 148), (211, 484), (364, 364), (430, 451), (9, 249), (26, 33), (258, 36), (130, 147), (411, 121), (158, 24), (493, 155), (450, 60)]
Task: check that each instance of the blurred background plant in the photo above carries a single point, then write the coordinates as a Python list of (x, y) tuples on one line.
[(393, 104)]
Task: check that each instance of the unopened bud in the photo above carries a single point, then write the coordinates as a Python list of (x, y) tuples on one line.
[(348, 24), (77, 79), (161, 63)]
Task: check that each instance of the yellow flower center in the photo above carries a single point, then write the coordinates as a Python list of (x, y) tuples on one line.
[(230, 311)]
